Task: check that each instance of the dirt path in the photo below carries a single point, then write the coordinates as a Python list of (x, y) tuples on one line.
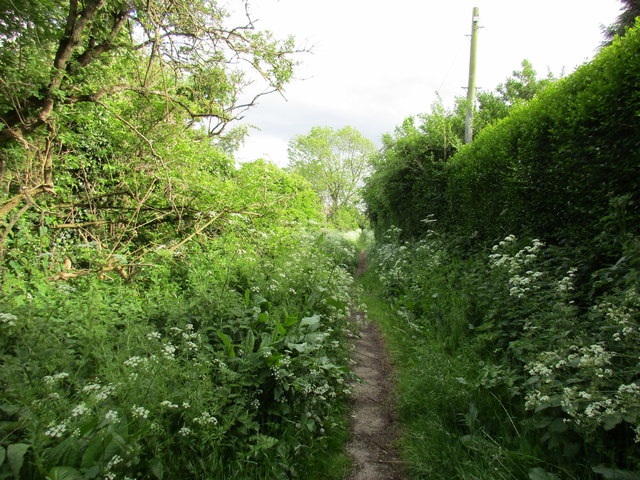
[(373, 424)]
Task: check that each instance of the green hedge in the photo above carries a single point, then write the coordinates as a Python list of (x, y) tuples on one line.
[(564, 167)]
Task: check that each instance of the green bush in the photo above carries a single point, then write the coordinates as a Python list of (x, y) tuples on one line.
[(207, 366), (551, 372)]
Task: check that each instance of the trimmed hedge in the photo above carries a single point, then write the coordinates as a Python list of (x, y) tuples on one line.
[(564, 167)]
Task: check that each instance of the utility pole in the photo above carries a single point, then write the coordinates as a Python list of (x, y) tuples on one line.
[(471, 89)]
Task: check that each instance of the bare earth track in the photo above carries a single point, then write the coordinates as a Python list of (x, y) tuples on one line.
[(374, 429)]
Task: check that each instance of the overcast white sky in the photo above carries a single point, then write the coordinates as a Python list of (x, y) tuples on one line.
[(377, 62)]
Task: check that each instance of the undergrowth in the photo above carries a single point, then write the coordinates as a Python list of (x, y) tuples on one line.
[(212, 364), (507, 368)]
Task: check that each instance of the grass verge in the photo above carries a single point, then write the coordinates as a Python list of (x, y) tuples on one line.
[(450, 429)]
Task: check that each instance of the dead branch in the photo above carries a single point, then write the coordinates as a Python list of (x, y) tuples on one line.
[(120, 269), (197, 231), (14, 201), (94, 223)]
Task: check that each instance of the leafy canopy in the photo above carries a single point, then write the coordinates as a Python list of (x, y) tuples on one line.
[(335, 162), (115, 118)]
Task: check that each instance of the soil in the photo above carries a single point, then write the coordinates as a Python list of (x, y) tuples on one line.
[(374, 427)]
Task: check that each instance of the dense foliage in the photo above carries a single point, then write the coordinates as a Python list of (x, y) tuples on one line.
[(114, 114), (163, 314), (215, 363), (407, 186), (518, 275), (336, 163)]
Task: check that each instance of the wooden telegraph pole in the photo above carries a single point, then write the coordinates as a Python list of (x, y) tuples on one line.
[(471, 89)]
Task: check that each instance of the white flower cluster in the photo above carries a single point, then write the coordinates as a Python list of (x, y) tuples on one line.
[(591, 356), (8, 319), (514, 263), (52, 379), (56, 431), (206, 419), (535, 399), (99, 392), (133, 362), (109, 474), (168, 351), (565, 284), (111, 416), (522, 280), (79, 410), (139, 412)]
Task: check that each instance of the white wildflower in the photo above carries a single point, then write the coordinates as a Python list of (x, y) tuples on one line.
[(56, 431), (168, 351), (8, 319), (206, 419), (115, 460), (51, 379), (111, 416), (139, 412), (133, 362), (79, 410)]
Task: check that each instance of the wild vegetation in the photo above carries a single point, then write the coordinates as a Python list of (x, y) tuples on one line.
[(163, 314), (167, 314), (512, 270)]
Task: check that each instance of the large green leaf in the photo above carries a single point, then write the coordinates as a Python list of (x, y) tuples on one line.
[(615, 474), (538, 473), (63, 473), (15, 456)]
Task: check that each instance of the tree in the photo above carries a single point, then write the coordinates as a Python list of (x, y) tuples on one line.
[(335, 162), (520, 88), (118, 109), (626, 19), (408, 186)]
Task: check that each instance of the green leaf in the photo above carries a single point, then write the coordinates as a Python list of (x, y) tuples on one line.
[(290, 321), (157, 468), (227, 343), (3, 455), (15, 455), (92, 472), (558, 426), (615, 474), (538, 473), (311, 322), (64, 473), (300, 347), (94, 452), (249, 342), (610, 421)]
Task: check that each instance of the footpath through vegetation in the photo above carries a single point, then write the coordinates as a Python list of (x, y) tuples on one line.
[(374, 426)]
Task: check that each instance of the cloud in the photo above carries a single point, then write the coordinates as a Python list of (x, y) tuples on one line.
[(375, 63)]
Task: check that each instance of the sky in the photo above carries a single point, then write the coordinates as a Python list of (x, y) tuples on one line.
[(373, 63)]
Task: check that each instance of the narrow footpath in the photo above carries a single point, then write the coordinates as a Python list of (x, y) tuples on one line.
[(374, 428)]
